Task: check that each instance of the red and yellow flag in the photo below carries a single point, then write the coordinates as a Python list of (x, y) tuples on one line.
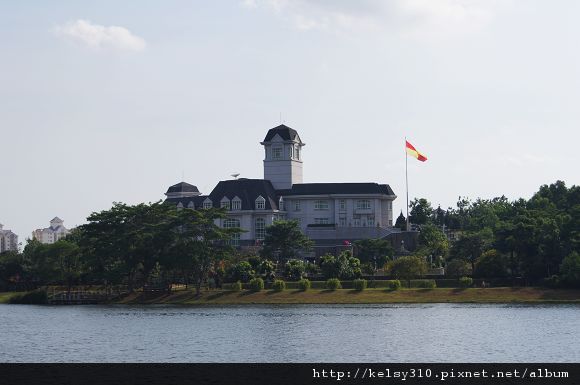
[(411, 150)]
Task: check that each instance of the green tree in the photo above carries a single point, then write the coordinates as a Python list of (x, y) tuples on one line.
[(375, 252), (421, 211), (284, 241), (458, 268), (492, 264), (407, 267), (344, 266), (432, 241), (471, 245), (401, 222), (203, 241), (570, 270), (242, 271)]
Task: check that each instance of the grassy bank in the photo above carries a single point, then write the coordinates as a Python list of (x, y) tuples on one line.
[(346, 296), (5, 297)]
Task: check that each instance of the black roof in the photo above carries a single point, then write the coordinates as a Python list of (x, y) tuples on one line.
[(284, 131), (337, 188), (248, 190), (182, 187), (197, 201)]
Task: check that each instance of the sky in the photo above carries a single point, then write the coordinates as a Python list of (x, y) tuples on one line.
[(109, 101)]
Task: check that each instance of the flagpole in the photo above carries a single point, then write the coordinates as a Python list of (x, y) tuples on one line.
[(407, 181)]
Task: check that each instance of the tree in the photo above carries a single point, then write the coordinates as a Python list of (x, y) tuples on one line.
[(407, 267), (126, 241), (471, 246), (570, 270), (458, 268), (432, 241), (344, 266), (202, 240), (375, 252), (401, 222), (421, 211), (284, 241), (492, 264), (65, 257)]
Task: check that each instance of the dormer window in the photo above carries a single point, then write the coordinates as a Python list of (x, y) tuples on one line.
[(180, 205), (190, 205), (207, 204), (236, 204), (260, 203), (297, 152), (276, 153), (281, 204), (225, 203)]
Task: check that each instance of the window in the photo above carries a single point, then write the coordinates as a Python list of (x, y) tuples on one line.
[(342, 205), (297, 205), (281, 204), (321, 221), (342, 222), (180, 205), (291, 152), (276, 153), (207, 204), (236, 204), (231, 223), (225, 203), (356, 222), (320, 205), (363, 204), (371, 221), (190, 205), (260, 203), (260, 228), (297, 152)]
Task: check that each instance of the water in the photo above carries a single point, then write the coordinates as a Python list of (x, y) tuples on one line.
[(297, 333)]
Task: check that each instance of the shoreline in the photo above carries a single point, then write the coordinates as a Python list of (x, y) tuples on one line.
[(499, 295), (351, 297)]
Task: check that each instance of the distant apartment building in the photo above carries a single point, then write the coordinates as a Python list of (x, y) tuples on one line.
[(8, 240), (51, 234)]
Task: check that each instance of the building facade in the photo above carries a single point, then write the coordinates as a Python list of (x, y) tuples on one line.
[(51, 234), (328, 213), (8, 240)]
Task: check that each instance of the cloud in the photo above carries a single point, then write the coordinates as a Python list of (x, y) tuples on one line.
[(99, 37), (408, 18)]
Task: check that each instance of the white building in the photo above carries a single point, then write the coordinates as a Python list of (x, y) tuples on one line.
[(51, 234), (8, 240), (328, 213)]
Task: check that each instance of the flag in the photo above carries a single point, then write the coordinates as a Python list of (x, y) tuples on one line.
[(414, 152)]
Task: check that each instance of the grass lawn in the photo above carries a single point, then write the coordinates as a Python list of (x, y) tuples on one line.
[(5, 297), (348, 296)]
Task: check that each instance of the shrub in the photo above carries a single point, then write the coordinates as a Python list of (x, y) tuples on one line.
[(394, 284), (242, 272), (256, 284), (359, 284), (304, 284), (294, 269), (279, 285), (36, 297), (465, 282), (425, 283), (235, 286), (333, 284)]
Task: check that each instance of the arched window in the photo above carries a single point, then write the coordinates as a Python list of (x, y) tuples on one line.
[(260, 228), (260, 203), (236, 203)]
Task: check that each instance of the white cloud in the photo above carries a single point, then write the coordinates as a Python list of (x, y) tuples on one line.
[(99, 37), (409, 18)]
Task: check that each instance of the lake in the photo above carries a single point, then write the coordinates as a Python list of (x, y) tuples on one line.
[(291, 333)]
